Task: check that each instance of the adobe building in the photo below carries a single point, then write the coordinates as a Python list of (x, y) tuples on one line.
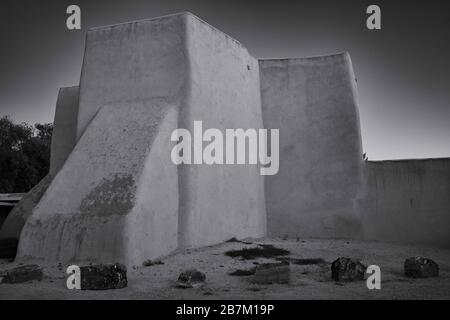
[(114, 195)]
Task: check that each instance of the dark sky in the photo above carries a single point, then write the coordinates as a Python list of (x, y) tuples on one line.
[(403, 70)]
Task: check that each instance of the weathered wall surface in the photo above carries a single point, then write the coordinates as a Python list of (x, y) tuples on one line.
[(408, 201), (64, 127), (86, 219), (313, 103), (218, 202), (97, 208), (118, 196), (133, 62)]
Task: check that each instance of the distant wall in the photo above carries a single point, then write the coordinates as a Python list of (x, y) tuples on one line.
[(64, 127), (408, 201), (313, 103)]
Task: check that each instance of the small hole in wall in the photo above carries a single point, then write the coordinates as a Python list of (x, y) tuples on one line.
[(248, 67)]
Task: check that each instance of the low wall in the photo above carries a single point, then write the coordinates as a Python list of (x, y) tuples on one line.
[(407, 201)]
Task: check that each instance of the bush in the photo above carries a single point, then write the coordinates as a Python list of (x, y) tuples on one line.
[(24, 154)]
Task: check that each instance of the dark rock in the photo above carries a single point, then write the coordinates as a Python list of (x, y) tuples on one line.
[(21, 274), (8, 248), (269, 273), (103, 277), (148, 263), (418, 267), (191, 278), (347, 269)]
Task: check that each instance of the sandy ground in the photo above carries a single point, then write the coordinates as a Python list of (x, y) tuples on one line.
[(306, 282)]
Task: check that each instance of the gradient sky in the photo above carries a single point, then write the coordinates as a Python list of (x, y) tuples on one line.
[(403, 70)]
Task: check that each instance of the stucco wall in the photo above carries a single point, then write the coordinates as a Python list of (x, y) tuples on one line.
[(408, 201), (313, 103), (85, 212), (118, 196), (97, 208), (133, 61), (218, 202), (64, 127)]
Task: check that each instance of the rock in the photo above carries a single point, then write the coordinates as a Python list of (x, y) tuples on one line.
[(347, 269), (103, 277), (191, 278), (8, 248), (148, 263), (21, 274), (419, 267), (269, 273)]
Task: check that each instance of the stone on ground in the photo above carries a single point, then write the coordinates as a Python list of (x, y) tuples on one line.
[(22, 274), (419, 267), (270, 273), (191, 278), (103, 277), (347, 269)]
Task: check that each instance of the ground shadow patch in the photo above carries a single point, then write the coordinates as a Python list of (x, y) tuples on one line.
[(262, 251)]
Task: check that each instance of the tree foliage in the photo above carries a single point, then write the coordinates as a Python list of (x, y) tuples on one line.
[(24, 154)]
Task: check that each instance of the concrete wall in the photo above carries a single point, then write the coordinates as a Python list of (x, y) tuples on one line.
[(313, 103), (64, 127), (118, 197), (84, 214), (134, 76), (408, 201), (218, 202), (133, 61)]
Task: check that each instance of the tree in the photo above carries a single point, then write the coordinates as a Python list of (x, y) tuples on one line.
[(24, 154)]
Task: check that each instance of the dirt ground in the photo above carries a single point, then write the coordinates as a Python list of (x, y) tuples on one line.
[(306, 281)]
